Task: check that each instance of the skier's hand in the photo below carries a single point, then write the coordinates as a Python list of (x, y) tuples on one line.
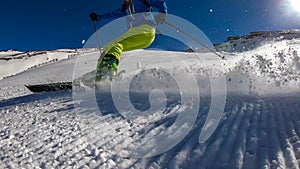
[(161, 17), (94, 16)]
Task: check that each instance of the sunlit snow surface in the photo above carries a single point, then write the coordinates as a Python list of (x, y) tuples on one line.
[(259, 128)]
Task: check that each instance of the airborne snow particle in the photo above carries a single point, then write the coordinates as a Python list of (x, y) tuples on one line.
[(210, 10), (83, 41)]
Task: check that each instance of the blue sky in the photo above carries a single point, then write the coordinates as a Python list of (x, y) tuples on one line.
[(51, 24)]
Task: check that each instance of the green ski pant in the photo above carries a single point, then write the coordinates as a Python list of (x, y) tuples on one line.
[(135, 38)]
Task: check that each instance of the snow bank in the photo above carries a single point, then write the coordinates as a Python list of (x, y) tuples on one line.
[(271, 68), (8, 53), (13, 62)]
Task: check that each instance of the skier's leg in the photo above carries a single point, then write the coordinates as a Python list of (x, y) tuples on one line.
[(107, 67), (142, 38), (135, 38)]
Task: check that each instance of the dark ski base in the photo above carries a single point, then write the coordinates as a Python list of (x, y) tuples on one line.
[(87, 80), (59, 86)]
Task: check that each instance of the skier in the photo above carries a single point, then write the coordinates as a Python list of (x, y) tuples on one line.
[(141, 31)]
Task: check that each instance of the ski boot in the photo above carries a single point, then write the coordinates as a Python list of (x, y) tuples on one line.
[(107, 67)]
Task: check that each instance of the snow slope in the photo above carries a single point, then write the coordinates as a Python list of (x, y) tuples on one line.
[(260, 126), (13, 62)]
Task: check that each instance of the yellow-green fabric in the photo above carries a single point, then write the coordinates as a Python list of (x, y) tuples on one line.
[(135, 38)]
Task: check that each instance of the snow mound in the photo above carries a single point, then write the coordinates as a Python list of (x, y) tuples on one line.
[(273, 68), (270, 68)]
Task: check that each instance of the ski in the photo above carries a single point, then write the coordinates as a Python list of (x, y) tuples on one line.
[(86, 81), (48, 87)]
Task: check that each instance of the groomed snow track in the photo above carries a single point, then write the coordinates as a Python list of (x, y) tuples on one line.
[(42, 130)]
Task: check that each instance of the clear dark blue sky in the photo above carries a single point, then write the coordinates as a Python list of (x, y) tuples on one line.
[(51, 24)]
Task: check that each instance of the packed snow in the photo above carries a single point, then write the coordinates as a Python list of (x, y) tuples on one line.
[(259, 128)]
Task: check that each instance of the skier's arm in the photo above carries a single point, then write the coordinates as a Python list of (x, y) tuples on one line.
[(111, 15), (160, 5)]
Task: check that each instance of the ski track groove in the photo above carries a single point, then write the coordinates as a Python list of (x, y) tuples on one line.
[(296, 123), (180, 160), (232, 133), (181, 151), (250, 160), (292, 138), (239, 150), (159, 159), (169, 161), (276, 154), (285, 145), (227, 144), (217, 140), (263, 151), (156, 159)]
